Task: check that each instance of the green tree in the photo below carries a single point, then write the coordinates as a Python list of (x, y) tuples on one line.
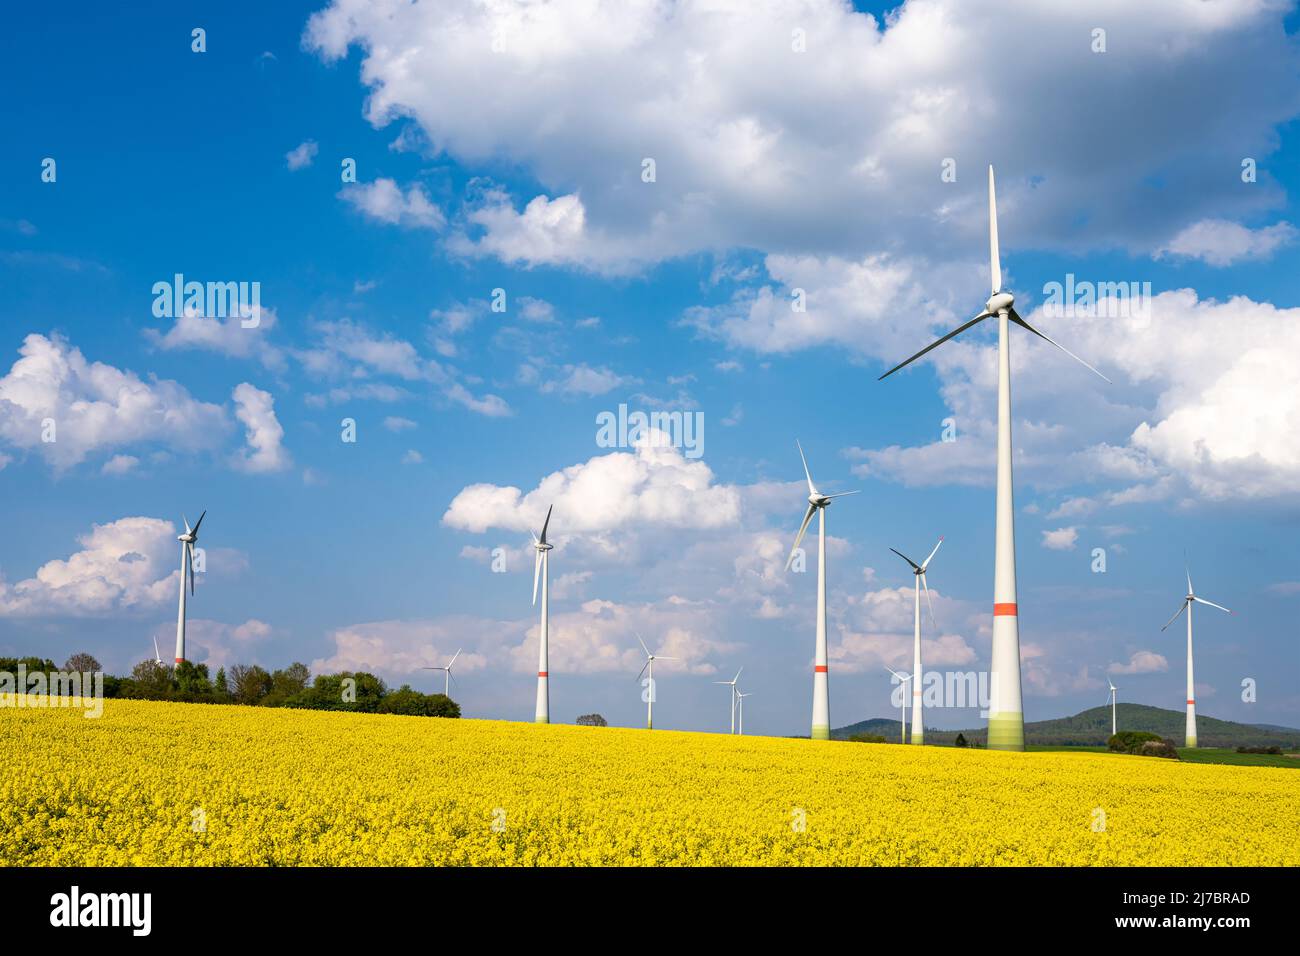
[(151, 681), (249, 683), (83, 662), (412, 703), (960, 741), (192, 682), (221, 688)]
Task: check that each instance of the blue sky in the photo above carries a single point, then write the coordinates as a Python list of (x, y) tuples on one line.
[(520, 169)]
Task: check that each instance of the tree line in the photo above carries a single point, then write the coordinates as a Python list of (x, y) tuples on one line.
[(253, 686)]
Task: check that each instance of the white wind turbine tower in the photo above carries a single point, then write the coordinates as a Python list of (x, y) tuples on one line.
[(918, 582), (446, 680), (740, 700), (1006, 713), (541, 571), (902, 724), (187, 541), (1113, 722), (1191, 683), (818, 502), (732, 684), (650, 663)]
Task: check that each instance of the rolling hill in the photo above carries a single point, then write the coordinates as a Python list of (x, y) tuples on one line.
[(1092, 728)]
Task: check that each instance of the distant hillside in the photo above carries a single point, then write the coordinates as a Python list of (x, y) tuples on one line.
[(1092, 728)]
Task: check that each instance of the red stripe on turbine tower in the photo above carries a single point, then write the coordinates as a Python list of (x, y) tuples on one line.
[(1004, 610), (820, 669), (542, 674), (180, 660), (1191, 702)]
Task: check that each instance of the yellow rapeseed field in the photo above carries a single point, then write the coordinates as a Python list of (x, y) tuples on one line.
[(157, 783)]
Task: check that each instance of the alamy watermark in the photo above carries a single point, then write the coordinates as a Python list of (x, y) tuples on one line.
[(212, 300), (1112, 300), (624, 429), (40, 689)]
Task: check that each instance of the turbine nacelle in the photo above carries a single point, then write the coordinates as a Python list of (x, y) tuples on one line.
[(999, 301)]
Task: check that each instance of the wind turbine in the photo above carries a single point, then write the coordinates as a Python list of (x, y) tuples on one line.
[(650, 663), (918, 582), (732, 684), (1113, 723), (902, 728), (1006, 713), (446, 681), (541, 571), (818, 502), (740, 699), (187, 541), (1191, 684), (157, 657)]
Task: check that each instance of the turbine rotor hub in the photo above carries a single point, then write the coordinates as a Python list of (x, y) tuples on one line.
[(999, 301)]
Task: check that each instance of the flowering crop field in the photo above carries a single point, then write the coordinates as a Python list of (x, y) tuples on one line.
[(158, 783)]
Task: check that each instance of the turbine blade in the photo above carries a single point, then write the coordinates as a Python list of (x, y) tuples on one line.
[(546, 523), (185, 521), (928, 602), (807, 516), (453, 658), (642, 643), (189, 563), (737, 677), (812, 490), (842, 494), (1014, 316), (995, 258), (926, 563), (957, 331), (642, 671), (906, 558), (662, 658), (537, 575), (199, 522), (157, 656), (1201, 600), (1182, 607)]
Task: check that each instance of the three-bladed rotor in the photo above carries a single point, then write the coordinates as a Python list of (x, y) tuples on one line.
[(542, 547), (1000, 302), (816, 500), (1190, 600), (188, 540), (919, 571)]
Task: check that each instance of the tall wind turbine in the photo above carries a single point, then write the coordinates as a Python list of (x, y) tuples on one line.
[(1006, 713), (902, 723), (1191, 683), (918, 582), (818, 502), (542, 573), (187, 541), (1113, 722), (650, 663), (740, 699), (732, 684), (446, 668)]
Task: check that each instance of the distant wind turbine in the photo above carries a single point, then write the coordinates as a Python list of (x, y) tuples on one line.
[(542, 573), (918, 582), (187, 541), (650, 664), (818, 502), (446, 668), (157, 657), (1006, 712), (732, 684), (1191, 682), (1113, 723), (740, 700), (902, 679)]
